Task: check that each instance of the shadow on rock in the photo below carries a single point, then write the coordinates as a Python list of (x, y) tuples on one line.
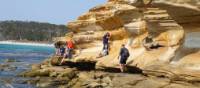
[(81, 66), (130, 69)]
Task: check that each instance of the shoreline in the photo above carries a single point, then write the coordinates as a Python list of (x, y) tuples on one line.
[(13, 42)]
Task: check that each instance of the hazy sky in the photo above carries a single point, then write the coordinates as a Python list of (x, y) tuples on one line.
[(52, 11)]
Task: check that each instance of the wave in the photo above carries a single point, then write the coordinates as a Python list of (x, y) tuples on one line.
[(26, 43), (25, 54)]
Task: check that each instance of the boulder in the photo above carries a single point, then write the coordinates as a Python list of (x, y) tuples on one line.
[(35, 66), (56, 60), (35, 73)]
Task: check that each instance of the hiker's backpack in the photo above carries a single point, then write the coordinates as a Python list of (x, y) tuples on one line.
[(126, 53)]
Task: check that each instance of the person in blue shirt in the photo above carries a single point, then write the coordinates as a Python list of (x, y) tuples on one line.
[(123, 56), (62, 50)]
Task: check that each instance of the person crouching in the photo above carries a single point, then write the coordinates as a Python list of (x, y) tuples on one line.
[(59, 46)]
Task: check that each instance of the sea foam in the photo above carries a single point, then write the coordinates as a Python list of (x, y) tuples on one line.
[(26, 43)]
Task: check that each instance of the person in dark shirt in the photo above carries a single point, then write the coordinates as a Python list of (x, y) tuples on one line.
[(106, 38), (124, 54)]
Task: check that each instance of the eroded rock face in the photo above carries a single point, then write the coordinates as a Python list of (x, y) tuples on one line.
[(132, 2), (173, 64), (130, 25), (183, 11), (104, 17)]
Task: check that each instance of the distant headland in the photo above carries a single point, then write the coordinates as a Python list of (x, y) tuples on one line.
[(30, 31)]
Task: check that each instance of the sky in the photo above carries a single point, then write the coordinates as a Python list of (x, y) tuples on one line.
[(51, 11)]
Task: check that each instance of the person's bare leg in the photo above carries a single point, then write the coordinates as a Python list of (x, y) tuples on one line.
[(121, 67), (62, 59), (125, 69), (58, 52)]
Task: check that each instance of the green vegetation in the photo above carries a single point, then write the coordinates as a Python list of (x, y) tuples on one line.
[(31, 31)]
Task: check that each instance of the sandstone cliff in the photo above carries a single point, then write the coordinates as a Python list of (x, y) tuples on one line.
[(130, 24), (173, 24)]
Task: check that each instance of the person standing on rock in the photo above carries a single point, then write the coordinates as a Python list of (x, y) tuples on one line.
[(106, 38), (123, 56), (70, 47)]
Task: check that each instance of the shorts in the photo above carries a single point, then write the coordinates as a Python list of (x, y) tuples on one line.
[(62, 53), (123, 60)]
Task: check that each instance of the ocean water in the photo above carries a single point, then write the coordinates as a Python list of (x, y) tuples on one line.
[(24, 56)]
